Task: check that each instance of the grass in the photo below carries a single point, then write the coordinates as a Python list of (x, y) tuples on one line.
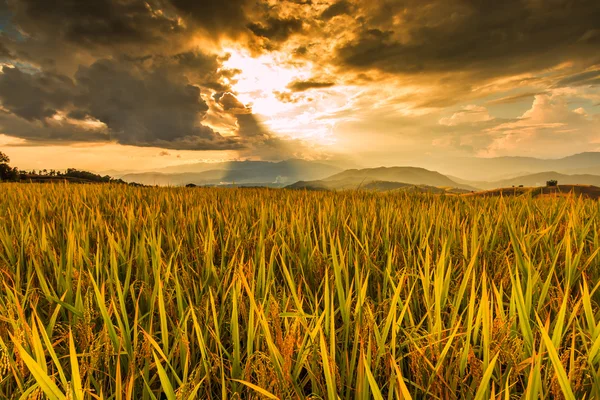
[(113, 292)]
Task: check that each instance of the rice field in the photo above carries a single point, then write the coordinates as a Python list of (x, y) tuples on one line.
[(114, 292)]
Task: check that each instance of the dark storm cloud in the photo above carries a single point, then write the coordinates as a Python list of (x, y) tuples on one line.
[(115, 62), (276, 29), (98, 22), (117, 22), (300, 86), (80, 115), (202, 69), (48, 131), (339, 8), (130, 71), (34, 97), (231, 103), (145, 108), (491, 37), (217, 17), (4, 52), (138, 106)]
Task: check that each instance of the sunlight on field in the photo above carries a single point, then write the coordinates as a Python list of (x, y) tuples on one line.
[(217, 293)]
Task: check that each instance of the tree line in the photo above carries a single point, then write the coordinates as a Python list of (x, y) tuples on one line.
[(13, 174)]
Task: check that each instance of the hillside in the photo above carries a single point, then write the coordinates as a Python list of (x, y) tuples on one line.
[(540, 179), (409, 175), (342, 184), (384, 179), (374, 186), (588, 191), (501, 168), (70, 176)]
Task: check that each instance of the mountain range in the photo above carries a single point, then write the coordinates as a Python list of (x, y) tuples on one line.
[(383, 179), (540, 179), (262, 173), (465, 174), (501, 168)]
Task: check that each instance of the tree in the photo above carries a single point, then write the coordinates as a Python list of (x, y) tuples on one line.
[(6, 172), (552, 183)]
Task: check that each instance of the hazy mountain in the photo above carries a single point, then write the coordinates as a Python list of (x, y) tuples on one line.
[(384, 179), (468, 172), (407, 175), (340, 164), (541, 178), (239, 172), (377, 186), (500, 168), (595, 170)]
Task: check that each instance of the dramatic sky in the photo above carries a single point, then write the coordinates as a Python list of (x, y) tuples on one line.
[(140, 84)]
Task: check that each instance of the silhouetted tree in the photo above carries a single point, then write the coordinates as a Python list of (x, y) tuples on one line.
[(552, 183), (6, 172)]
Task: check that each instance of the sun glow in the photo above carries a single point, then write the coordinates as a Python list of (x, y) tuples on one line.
[(310, 115), (261, 78)]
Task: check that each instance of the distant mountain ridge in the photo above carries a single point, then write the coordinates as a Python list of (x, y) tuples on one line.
[(409, 175), (465, 173), (275, 174), (384, 179), (500, 168), (540, 179)]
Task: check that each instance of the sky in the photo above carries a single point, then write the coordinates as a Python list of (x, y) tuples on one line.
[(144, 84)]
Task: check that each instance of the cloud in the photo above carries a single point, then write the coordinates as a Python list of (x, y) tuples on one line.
[(215, 17), (485, 38), (580, 79), (55, 130), (154, 73), (148, 103), (138, 106), (4, 52), (339, 8), (34, 97), (101, 22), (468, 115), (514, 98), (301, 86), (231, 103), (146, 108), (276, 29), (202, 69), (549, 127)]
